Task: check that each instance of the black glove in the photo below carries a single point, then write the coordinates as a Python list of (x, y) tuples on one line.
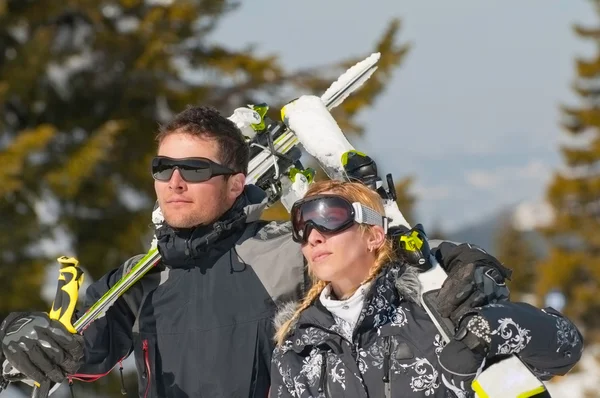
[(464, 356), (475, 278), (39, 347), (3, 381)]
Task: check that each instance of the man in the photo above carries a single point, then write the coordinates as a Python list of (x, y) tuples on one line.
[(201, 323)]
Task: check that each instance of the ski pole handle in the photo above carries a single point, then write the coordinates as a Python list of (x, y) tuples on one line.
[(67, 292), (69, 281)]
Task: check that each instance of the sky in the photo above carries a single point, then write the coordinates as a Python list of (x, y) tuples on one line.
[(472, 114)]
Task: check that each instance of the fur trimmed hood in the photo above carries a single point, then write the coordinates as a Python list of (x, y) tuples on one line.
[(407, 284)]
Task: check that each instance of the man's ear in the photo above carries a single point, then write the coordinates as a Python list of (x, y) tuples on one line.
[(236, 185)]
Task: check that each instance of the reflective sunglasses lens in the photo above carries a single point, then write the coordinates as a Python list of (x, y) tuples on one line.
[(195, 174), (163, 173), (191, 170)]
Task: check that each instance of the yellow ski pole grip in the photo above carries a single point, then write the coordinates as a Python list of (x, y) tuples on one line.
[(67, 292), (70, 279)]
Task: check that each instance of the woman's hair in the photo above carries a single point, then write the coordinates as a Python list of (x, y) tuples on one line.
[(354, 192)]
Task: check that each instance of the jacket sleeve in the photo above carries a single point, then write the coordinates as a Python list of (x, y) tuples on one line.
[(282, 385), (544, 339), (108, 340)]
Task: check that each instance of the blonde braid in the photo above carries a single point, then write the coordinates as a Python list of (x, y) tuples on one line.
[(311, 296)]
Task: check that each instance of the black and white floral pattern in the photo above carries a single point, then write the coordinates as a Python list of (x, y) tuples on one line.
[(460, 390), (372, 357), (343, 328), (566, 333), (393, 340), (399, 317), (311, 367), (423, 375), (311, 336), (439, 344), (515, 337), (337, 371)]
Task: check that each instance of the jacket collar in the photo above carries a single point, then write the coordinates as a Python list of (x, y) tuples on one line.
[(394, 284), (191, 247)]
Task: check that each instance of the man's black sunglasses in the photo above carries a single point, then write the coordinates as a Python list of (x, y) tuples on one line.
[(191, 169)]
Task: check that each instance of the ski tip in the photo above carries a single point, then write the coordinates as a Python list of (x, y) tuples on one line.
[(350, 80), (368, 63), (374, 57), (371, 60)]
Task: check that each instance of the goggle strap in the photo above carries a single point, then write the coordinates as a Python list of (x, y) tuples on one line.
[(366, 215)]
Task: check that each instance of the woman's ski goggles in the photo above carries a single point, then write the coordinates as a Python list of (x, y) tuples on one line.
[(191, 169), (330, 214)]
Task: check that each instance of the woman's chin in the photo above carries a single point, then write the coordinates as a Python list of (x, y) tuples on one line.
[(325, 272)]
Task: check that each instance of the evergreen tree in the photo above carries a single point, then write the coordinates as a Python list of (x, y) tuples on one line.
[(405, 199), (573, 265), (436, 231), (514, 250)]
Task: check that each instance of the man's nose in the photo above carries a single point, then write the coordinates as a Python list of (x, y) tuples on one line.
[(177, 183)]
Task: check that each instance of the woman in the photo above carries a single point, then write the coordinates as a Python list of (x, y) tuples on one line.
[(359, 331)]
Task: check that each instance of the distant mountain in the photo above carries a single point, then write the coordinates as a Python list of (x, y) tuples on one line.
[(483, 233)]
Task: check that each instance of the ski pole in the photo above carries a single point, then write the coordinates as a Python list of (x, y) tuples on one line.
[(69, 281)]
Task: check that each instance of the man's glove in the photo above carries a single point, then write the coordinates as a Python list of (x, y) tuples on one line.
[(3, 382), (475, 278), (40, 347)]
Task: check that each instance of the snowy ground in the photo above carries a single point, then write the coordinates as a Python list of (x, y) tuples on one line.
[(576, 385)]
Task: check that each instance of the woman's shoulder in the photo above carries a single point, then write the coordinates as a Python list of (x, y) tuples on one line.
[(285, 312), (409, 319), (406, 281)]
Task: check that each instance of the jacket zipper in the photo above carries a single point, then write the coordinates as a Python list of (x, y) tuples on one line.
[(146, 367), (387, 371), (323, 375)]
